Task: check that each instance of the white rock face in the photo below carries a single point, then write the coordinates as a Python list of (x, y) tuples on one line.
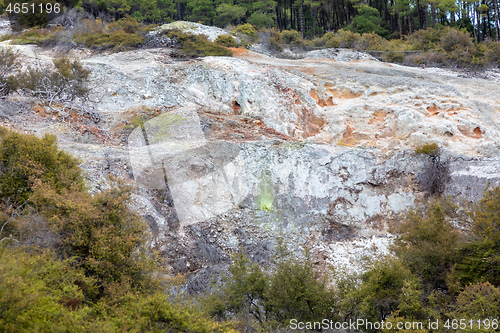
[(196, 28), (365, 103), (318, 150), (305, 191)]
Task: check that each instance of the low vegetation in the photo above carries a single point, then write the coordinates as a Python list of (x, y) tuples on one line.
[(190, 45), (85, 264), (73, 261), (434, 273)]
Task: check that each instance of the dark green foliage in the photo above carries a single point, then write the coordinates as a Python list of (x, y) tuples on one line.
[(380, 292), (202, 11), (297, 290), (427, 245), (480, 258), (229, 14), (367, 21), (27, 162), (226, 41), (291, 37), (108, 281), (38, 18), (291, 289), (247, 30), (477, 301), (196, 45)]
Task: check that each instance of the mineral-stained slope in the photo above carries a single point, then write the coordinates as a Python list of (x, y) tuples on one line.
[(318, 151)]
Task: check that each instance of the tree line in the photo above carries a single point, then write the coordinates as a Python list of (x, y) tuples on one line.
[(315, 17), (312, 18)]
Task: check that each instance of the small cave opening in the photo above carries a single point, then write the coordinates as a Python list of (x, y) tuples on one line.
[(236, 107), (477, 132)]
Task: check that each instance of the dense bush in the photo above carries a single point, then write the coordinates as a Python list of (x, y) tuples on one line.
[(478, 301), (96, 274), (424, 39), (247, 30), (226, 41), (196, 45), (120, 35), (372, 42), (394, 56), (291, 289), (291, 37), (427, 246), (480, 257), (368, 20), (27, 162), (342, 38)]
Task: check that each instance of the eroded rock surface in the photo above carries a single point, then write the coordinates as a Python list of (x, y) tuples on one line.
[(249, 148)]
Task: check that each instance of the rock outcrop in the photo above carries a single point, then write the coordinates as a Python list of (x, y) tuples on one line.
[(318, 151)]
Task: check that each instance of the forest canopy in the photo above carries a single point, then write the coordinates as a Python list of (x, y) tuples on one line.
[(311, 18)]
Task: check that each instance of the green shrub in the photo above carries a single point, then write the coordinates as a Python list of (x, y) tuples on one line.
[(394, 56), (109, 280), (452, 39), (368, 20), (291, 289), (380, 292), (477, 301), (291, 37), (342, 38), (480, 257), (40, 293), (226, 41), (431, 149), (247, 30), (196, 45), (460, 49), (116, 40), (424, 39), (27, 161), (372, 42), (493, 53), (120, 35), (427, 245)]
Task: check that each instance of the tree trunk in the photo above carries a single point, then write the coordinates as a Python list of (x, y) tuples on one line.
[(301, 18), (495, 5), (314, 22), (400, 26)]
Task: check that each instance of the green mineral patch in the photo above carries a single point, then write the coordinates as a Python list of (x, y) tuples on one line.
[(160, 128), (266, 195)]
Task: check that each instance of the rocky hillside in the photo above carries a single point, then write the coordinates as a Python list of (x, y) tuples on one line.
[(232, 152)]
